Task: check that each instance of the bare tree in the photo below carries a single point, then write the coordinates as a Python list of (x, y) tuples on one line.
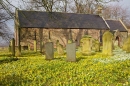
[(47, 5), (116, 12), (5, 15)]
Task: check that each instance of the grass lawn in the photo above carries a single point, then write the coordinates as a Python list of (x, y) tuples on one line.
[(31, 69)]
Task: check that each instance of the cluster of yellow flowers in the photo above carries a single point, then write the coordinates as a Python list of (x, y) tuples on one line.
[(33, 70)]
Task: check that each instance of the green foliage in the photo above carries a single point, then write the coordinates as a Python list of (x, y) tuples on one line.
[(96, 70)]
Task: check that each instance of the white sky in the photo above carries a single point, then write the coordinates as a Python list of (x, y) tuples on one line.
[(124, 3)]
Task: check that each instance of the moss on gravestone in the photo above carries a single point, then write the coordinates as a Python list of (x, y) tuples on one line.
[(70, 41), (96, 45), (126, 45), (35, 45), (86, 43), (107, 43), (60, 49)]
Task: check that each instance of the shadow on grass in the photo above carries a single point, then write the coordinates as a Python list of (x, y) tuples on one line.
[(30, 53), (80, 58), (7, 60), (6, 55), (12, 80)]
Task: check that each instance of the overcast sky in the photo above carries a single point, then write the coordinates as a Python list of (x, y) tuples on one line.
[(124, 3)]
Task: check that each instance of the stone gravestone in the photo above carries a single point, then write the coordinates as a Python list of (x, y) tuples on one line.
[(60, 49), (49, 51), (18, 51), (35, 45), (12, 47), (86, 44), (126, 45), (71, 52), (96, 45), (107, 43), (29, 46)]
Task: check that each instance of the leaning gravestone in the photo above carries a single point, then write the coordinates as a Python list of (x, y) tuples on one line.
[(86, 43), (126, 45), (71, 52), (107, 43), (49, 51)]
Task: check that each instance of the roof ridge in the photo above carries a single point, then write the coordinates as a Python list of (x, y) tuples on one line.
[(58, 12)]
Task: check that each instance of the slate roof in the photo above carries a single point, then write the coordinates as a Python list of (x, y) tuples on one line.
[(57, 20), (116, 25)]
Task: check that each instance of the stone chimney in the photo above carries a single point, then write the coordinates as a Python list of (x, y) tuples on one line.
[(99, 10)]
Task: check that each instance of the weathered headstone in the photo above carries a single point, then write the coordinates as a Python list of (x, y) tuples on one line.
[(96, 45), (35, 45), (71, 52), (107, 43), (86, 44), (10, 45), (60, 49), (29, 47), (18, 51), (13, 46), (126, 45), (49, 51)]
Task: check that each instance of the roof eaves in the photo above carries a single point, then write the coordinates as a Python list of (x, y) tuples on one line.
[(123, 25), (106, 23)]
